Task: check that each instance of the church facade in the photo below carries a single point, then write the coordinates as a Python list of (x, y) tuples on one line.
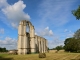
[(28, 42)]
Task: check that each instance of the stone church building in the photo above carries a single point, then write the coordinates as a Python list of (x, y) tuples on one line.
[(28, 42)]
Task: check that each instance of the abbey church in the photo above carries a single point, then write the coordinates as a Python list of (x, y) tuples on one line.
[(28, 42)]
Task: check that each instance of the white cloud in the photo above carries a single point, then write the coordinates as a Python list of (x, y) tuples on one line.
[(36, 33), (1, 31), (46, 32), (55, 42), (9, 43), (50, 33), (3, 3), (47, 28), (14, 25), (69, 33), (65, 30), (14, 12)]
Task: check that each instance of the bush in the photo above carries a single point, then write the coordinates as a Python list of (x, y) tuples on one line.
[(78, 51), (42, 55)]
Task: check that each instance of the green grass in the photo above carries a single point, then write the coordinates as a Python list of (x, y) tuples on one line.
[(49, 56)]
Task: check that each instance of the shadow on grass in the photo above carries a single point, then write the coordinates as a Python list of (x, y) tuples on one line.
[(2, 58)]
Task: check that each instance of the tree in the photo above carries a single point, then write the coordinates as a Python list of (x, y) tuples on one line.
[(3, 49), (59, 48), (72, 45), (69, 44), (77, 34), (76, 13)]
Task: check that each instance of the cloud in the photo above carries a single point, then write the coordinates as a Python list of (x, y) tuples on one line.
[(14, 25), (55, 42), (14, 13), (66, 30), (46, 32), (36, 33), (55, 12), (9, 43), (1, 31), (3, 3), (69, 33), (58, 39)]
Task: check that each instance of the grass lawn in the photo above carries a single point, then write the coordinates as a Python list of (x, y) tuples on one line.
[(49, 56)]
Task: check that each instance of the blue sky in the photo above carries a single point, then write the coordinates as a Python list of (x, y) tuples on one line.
[(52, 19)]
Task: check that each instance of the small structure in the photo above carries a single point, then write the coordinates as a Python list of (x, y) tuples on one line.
[(13, 52), (28, 42)]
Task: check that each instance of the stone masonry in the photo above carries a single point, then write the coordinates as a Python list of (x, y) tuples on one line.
[(28, 42)]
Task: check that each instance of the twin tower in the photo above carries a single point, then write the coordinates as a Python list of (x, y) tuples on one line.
[(28, 42)]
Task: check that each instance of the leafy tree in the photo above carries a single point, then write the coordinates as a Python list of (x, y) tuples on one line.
[(59, 48), (3, 49), (77, 34), (72, 45), (68, 44), (76, 13)]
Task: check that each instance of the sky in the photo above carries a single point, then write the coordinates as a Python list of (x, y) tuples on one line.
[(52, 20)]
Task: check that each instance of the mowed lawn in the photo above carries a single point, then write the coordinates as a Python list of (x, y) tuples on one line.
[(61, 55)]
